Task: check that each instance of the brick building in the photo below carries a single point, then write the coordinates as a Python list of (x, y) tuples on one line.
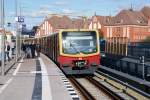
[(99, 23), (135, 25), (55, 23)]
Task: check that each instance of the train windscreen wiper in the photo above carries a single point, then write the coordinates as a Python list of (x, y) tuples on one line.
[(77, 50)]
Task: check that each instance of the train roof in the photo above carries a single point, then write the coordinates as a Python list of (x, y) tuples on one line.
[(73, 30), (77, 30)]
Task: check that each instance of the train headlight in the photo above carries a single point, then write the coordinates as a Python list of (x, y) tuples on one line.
[(76, 63), (80, 58), (85, 62)]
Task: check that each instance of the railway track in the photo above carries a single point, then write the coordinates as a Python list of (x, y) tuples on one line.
[(85, 93), (120, 88), (91, 90), (112, 90), (102, 86)]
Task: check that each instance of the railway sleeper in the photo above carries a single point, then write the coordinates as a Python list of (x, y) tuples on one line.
[(105, 89)]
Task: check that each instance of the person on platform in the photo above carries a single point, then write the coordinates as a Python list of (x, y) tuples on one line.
[(33, 46), (7, 50), (23, 47), (28, 51), (38, 50), (12, 47)]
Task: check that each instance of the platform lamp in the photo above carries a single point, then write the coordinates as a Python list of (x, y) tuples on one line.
[(142, 61), (16, 17)]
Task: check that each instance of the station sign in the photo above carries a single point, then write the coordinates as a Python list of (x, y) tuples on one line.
[(20, 19)]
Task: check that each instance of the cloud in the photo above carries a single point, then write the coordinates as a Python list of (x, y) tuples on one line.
[(68, 11), (33, 14), (38, 14), (45, 7), (60, 3)]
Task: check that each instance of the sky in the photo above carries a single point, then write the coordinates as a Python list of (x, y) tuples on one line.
[(35, 11)]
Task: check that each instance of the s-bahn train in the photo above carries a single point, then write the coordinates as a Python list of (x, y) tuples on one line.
[(75, 51)]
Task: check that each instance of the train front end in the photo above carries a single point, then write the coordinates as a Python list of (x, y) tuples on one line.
[(79, 51)]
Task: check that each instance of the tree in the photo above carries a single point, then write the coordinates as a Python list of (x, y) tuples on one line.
[(34, 29), (147, 39)]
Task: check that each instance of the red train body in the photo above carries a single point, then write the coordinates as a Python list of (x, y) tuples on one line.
[(76, 51)]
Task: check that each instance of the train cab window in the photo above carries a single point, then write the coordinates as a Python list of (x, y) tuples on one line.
[(79, 42)]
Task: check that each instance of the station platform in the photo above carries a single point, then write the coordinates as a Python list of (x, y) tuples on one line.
[(36, 79)]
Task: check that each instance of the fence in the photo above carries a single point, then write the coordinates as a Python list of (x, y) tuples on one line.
[(136, 50), (139, 49)]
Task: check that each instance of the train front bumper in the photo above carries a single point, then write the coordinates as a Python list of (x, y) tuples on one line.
[(71, 71)]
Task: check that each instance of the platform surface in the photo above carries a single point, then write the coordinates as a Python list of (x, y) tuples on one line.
[(34, 79)]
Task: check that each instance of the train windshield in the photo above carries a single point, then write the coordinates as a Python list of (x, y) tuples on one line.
[(79, 42)]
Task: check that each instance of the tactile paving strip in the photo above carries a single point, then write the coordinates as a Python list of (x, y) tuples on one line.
[(69, 88)]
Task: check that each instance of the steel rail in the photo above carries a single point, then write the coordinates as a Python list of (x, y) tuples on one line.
[(84, 92), (110, 93), (138, 92)]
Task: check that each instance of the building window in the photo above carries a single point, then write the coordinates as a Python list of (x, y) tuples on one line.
[(118, 29), (95, 26), (94, 19), (128, 32), (119, 21), (99, 26), (90, 26), (138, 21), (124, 32), (110, 32)]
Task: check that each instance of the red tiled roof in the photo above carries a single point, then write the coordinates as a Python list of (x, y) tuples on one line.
[(65, 22), (60, 22), (104, 20), (129, 17), (77, 23), (146, 11)]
